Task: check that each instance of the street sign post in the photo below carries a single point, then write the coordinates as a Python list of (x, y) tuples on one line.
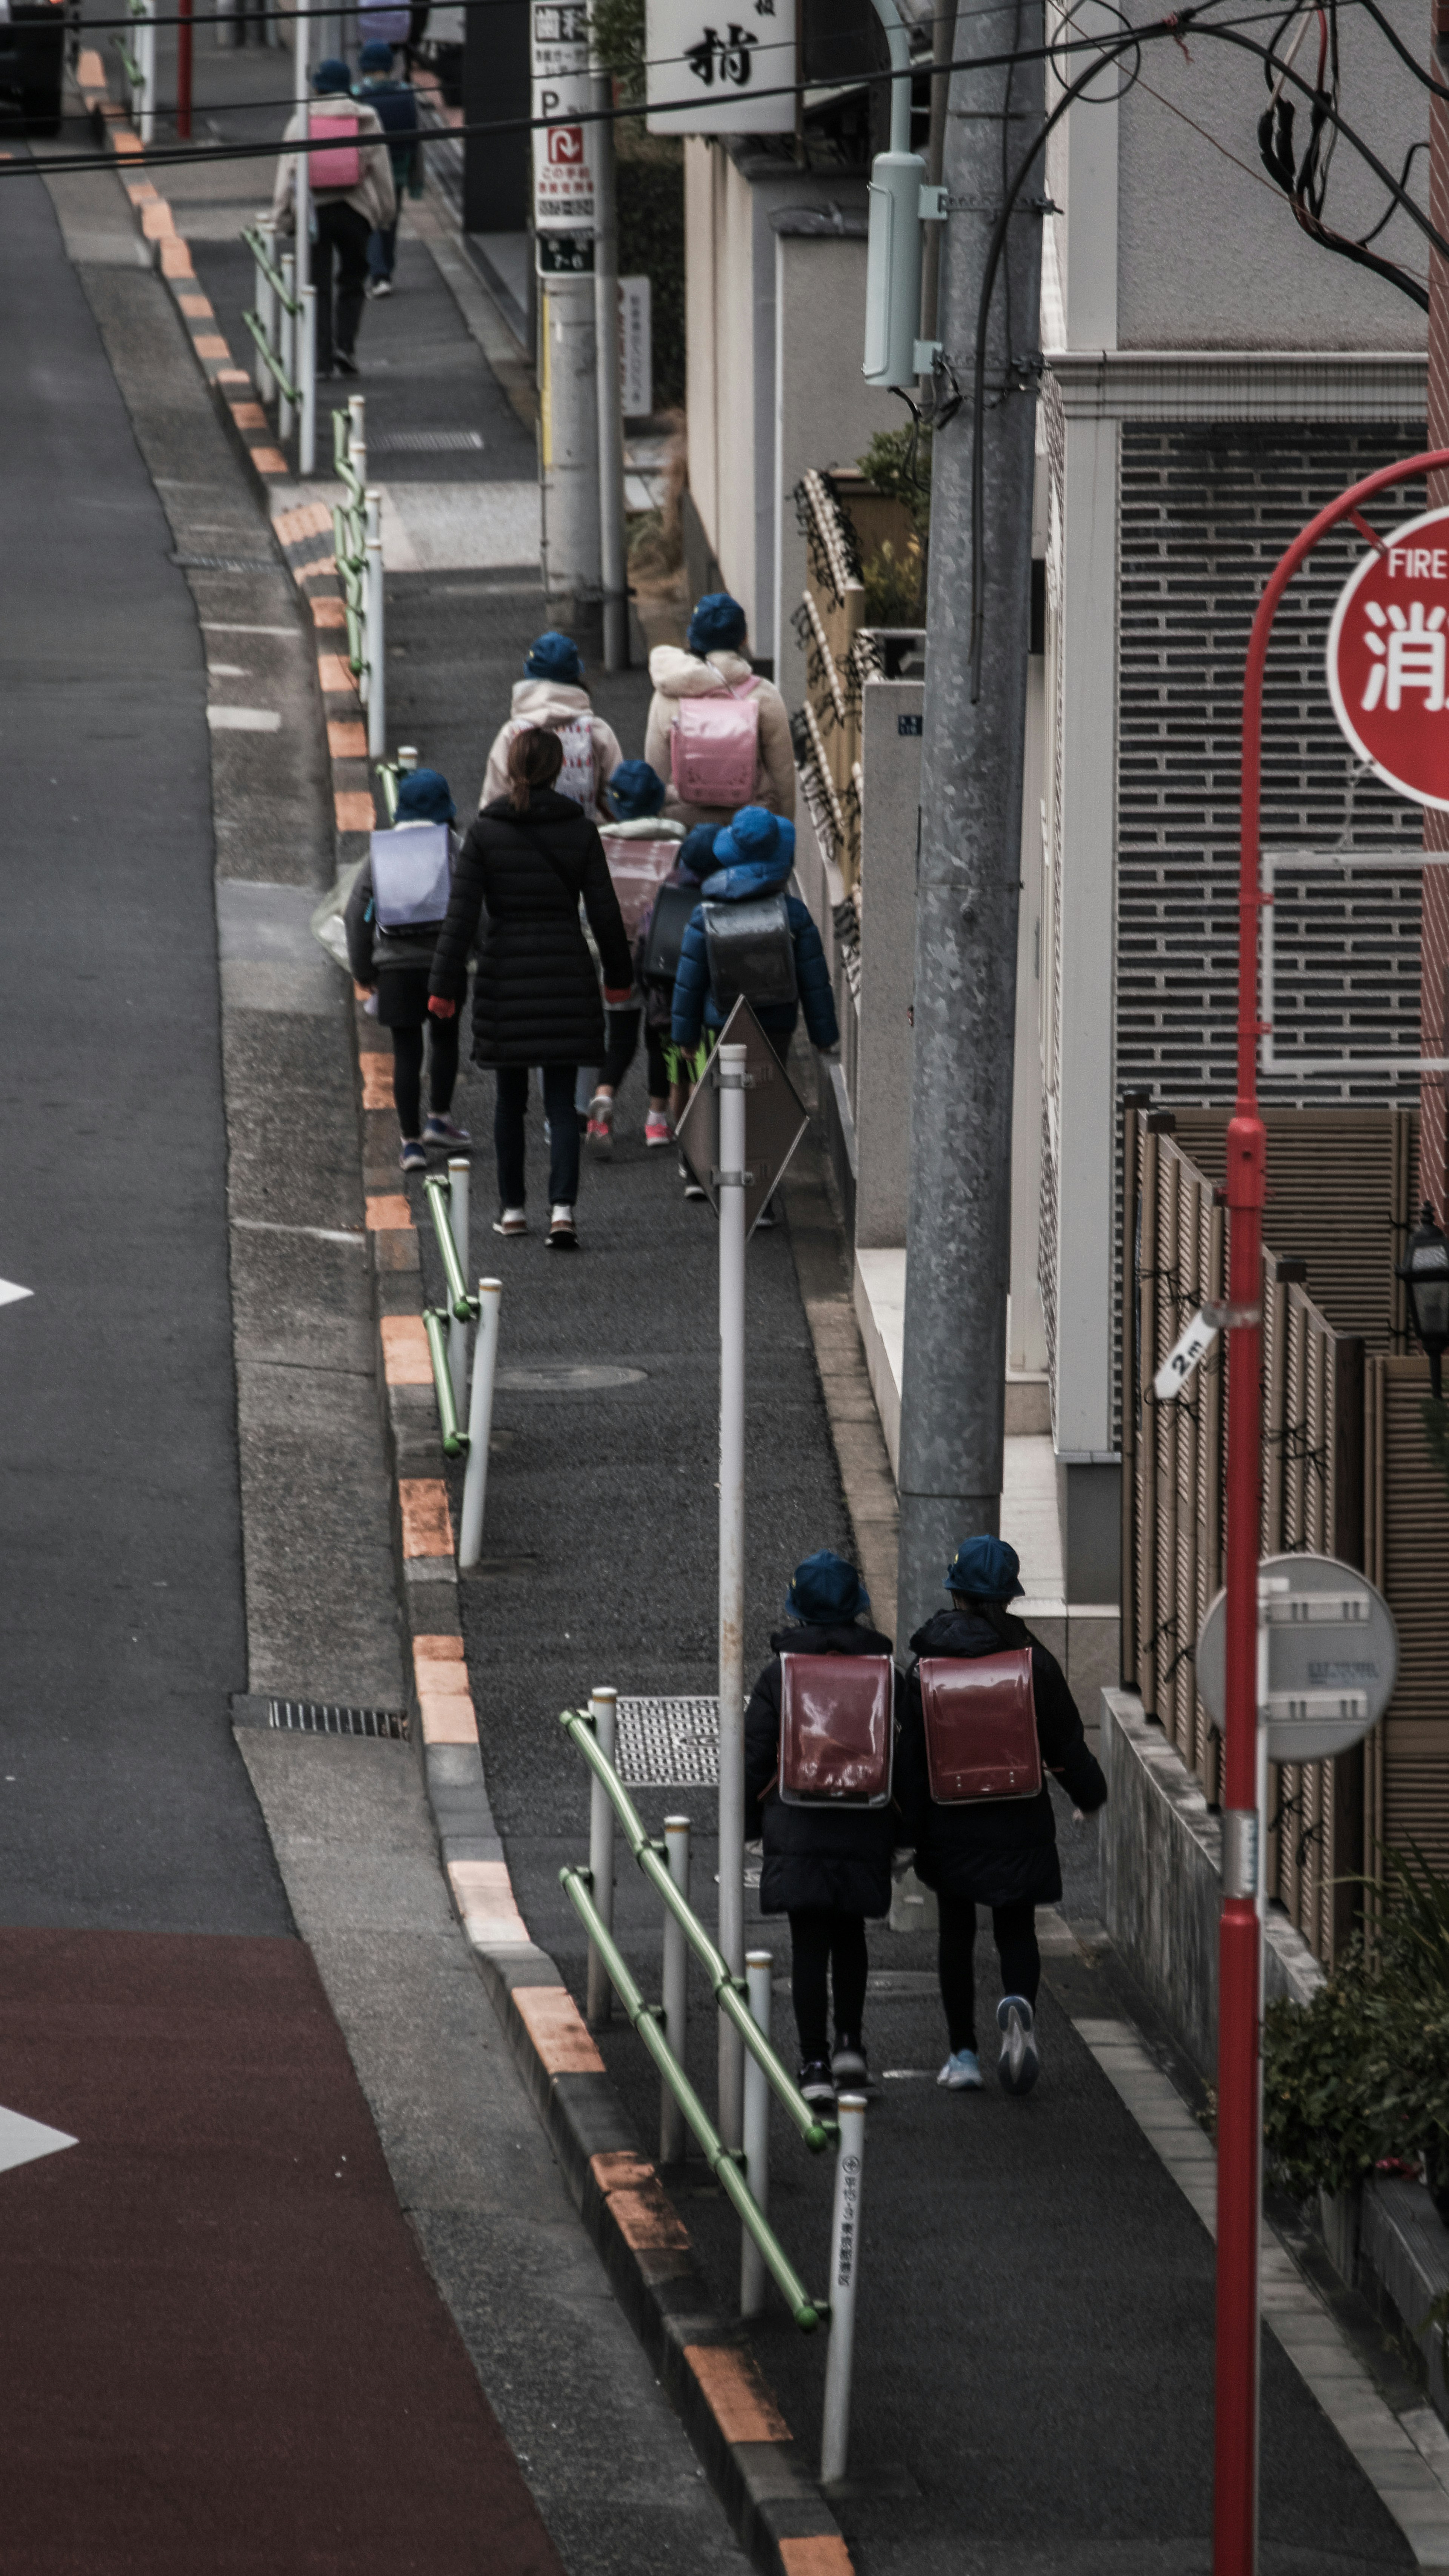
[(741, 1124), (1388, 659)]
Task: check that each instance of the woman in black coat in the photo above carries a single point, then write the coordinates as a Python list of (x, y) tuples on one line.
[(1000, 1852), (528, 859), (827, 1867)]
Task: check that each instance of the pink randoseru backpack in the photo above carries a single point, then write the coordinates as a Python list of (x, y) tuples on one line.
[(714, 750), (341, 165)]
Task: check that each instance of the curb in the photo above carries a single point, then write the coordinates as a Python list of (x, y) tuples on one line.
[(756, 2467)]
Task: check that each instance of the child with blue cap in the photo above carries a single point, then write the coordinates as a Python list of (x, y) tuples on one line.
[(999, 1850), (641, 846), (395, 963), (352, 196), (397, 107), (551, 695), (743, 754), (827, 1866)]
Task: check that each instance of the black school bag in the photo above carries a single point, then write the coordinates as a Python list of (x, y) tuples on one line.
[(751, 950), (674, 909)]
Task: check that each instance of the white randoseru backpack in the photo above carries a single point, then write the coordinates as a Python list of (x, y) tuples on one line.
[(411, 876)]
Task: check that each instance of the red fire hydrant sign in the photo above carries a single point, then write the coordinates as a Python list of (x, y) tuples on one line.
[(1388, 660)]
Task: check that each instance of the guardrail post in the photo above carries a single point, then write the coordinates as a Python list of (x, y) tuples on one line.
[(357, 435), (602, 1703), (288, 338), (146, 64), (459, 1169), (676, 1989), (374, 628), (480, 1422), (266, 300), (759, 1968), (844, 2273), (306, 381), (729, 1070)]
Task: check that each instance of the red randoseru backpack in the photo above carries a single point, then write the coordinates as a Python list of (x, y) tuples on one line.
[(837, 1729), (981, 1739)]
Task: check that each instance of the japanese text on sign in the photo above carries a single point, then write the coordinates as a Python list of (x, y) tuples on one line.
[(709, 67), (563, 176), (1388, 660)]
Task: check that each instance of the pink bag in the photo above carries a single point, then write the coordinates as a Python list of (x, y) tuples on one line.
[(341, 167), (714, 749), (638, 869)]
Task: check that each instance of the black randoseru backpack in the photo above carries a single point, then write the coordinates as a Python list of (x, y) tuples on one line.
[(751, 950), (674, 909)]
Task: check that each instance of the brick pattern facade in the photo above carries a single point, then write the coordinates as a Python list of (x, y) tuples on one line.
[(1434, 991)]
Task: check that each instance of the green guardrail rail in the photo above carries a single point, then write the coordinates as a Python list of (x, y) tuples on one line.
[(807, 2312), (273, 276), (273, 364), (455, 1438), (438, 1192)]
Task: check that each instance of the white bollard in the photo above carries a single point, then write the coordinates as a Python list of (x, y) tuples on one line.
[(844, 2274), (288, 342), (459, 1169), (374, 630), (759, 1967), (729, 1067), (357, 437), (480, 1423), (602, 1703), (676, 1989), (266, 303), (146, 65), (307, 382)]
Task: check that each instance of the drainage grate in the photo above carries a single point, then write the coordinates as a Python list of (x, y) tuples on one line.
[(227, 563), (314, 1717), (425, 442), (667, 1743)]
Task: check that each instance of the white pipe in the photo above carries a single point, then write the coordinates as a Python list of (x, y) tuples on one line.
[(602, 1704), (266, 301), (729, 1070), (759, 1966), (307, 383), (900, 51), (357, 437), (289, 339), (844, 2273), (304, 372), (375, 635), (146, 65), (459, 1170), (676, 1990), (480, 1423)]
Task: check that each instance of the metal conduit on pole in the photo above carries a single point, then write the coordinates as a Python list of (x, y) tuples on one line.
[(675, 1988), (900, 54), (480, 1417), (759, 1966), (304, 372), (959, 1225), (603, 1705), (943, 51), (613, 573), (728, 1071)]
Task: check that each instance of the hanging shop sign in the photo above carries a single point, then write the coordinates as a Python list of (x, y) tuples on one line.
[(709, 68)]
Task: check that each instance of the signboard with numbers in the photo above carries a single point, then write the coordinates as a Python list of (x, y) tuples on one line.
[(1388, 659), (708, 66), (563, 175)]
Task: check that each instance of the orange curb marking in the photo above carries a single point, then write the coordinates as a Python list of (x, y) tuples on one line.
[(249, 415), (377, 1094), (176, 257), (442, 1681), (644, 2216), (199, 307), (735, 2393), (334, 676), (156, 217), (405, 1360), (328, 612), (346, 740), (125, 141), (210, 344), (447, 1718), (90, 71), (426, 1520), (823, 2555), (232, 376), (619, 2169), (483, 1894), (140, 192), (385, 1214), (438, 1650), (310, 520), (353, 808), (270, 460), (556, 2027)]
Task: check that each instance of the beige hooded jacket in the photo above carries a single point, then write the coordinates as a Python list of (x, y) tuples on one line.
[(677, 674), (551, 704), (374, 196)]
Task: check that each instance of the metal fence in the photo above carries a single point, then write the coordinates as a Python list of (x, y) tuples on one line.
[(282, 323), (357, 547)]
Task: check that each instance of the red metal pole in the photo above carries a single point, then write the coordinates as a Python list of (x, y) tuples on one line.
[(183, 72), (1235, 2492)]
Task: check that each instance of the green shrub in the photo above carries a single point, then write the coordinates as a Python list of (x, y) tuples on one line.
[(898, 463)]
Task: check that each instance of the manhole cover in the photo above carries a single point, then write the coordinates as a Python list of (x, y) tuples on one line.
[(566, 1377)]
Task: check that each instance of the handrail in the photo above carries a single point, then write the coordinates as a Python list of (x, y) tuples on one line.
[(729, 1991), (387, 772), (269, 353), (255, 244), (342, 456), (807, 2312), (135, 77), (437, 1192), (455, 1439)]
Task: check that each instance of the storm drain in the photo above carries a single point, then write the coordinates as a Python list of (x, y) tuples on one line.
[(667, 1743), (424, 442), (318, 1717)]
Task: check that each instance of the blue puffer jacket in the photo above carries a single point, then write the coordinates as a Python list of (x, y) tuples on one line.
[(694, 1004)]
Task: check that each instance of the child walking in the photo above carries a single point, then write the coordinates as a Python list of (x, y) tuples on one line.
[(395, 963), (827, 1865)]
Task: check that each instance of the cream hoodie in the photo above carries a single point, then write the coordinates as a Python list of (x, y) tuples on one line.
[(551, 704), (677, 675), (374, 196)]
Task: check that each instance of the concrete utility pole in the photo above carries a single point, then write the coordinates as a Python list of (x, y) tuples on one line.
[(1434, 922), (611, 420), (969, 868)]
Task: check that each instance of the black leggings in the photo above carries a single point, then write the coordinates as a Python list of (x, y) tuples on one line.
[(407, 1071), (623, 1032), (1014, 1927), (509, 1112), (819, 1940)]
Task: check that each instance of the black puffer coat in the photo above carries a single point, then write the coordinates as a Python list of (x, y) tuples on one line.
[(814, 1856), (536, 997), (1002, 1851)]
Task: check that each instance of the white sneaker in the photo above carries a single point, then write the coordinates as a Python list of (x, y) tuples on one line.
[(962, 2072), (1020, 2063), (512, 1221), (563, 1234)]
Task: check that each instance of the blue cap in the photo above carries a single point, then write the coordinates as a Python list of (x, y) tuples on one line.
[(823, 1588), (330, 77), (757, 834), (554, 657), (985, 1569), (635, 790), (376, 56), (696, 851), (718, 624), (423, 796)]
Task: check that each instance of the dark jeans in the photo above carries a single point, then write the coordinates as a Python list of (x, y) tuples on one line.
[(382, 250), (509, 1112), (623, 1029), (819, 1940), (407, 1072), (1014, 1928), (342, 238)]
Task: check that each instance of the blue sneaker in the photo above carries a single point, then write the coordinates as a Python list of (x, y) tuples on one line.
[(962, 2071), (1020, 2060), (414, 1154)]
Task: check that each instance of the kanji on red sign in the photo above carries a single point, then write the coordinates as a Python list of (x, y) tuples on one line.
[(1388, 659)]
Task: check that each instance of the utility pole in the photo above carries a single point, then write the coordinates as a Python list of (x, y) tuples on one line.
[(564, 216), (606, 333), (969, 866), (1434, 913)]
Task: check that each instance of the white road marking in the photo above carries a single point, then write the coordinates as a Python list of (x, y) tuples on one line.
[(22, 2140), (215, 626), (243, 720), (9, 1292), (319, 1233)]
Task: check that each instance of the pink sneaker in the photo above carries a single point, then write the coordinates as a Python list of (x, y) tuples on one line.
[(657, 1129), (599, 1133)]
